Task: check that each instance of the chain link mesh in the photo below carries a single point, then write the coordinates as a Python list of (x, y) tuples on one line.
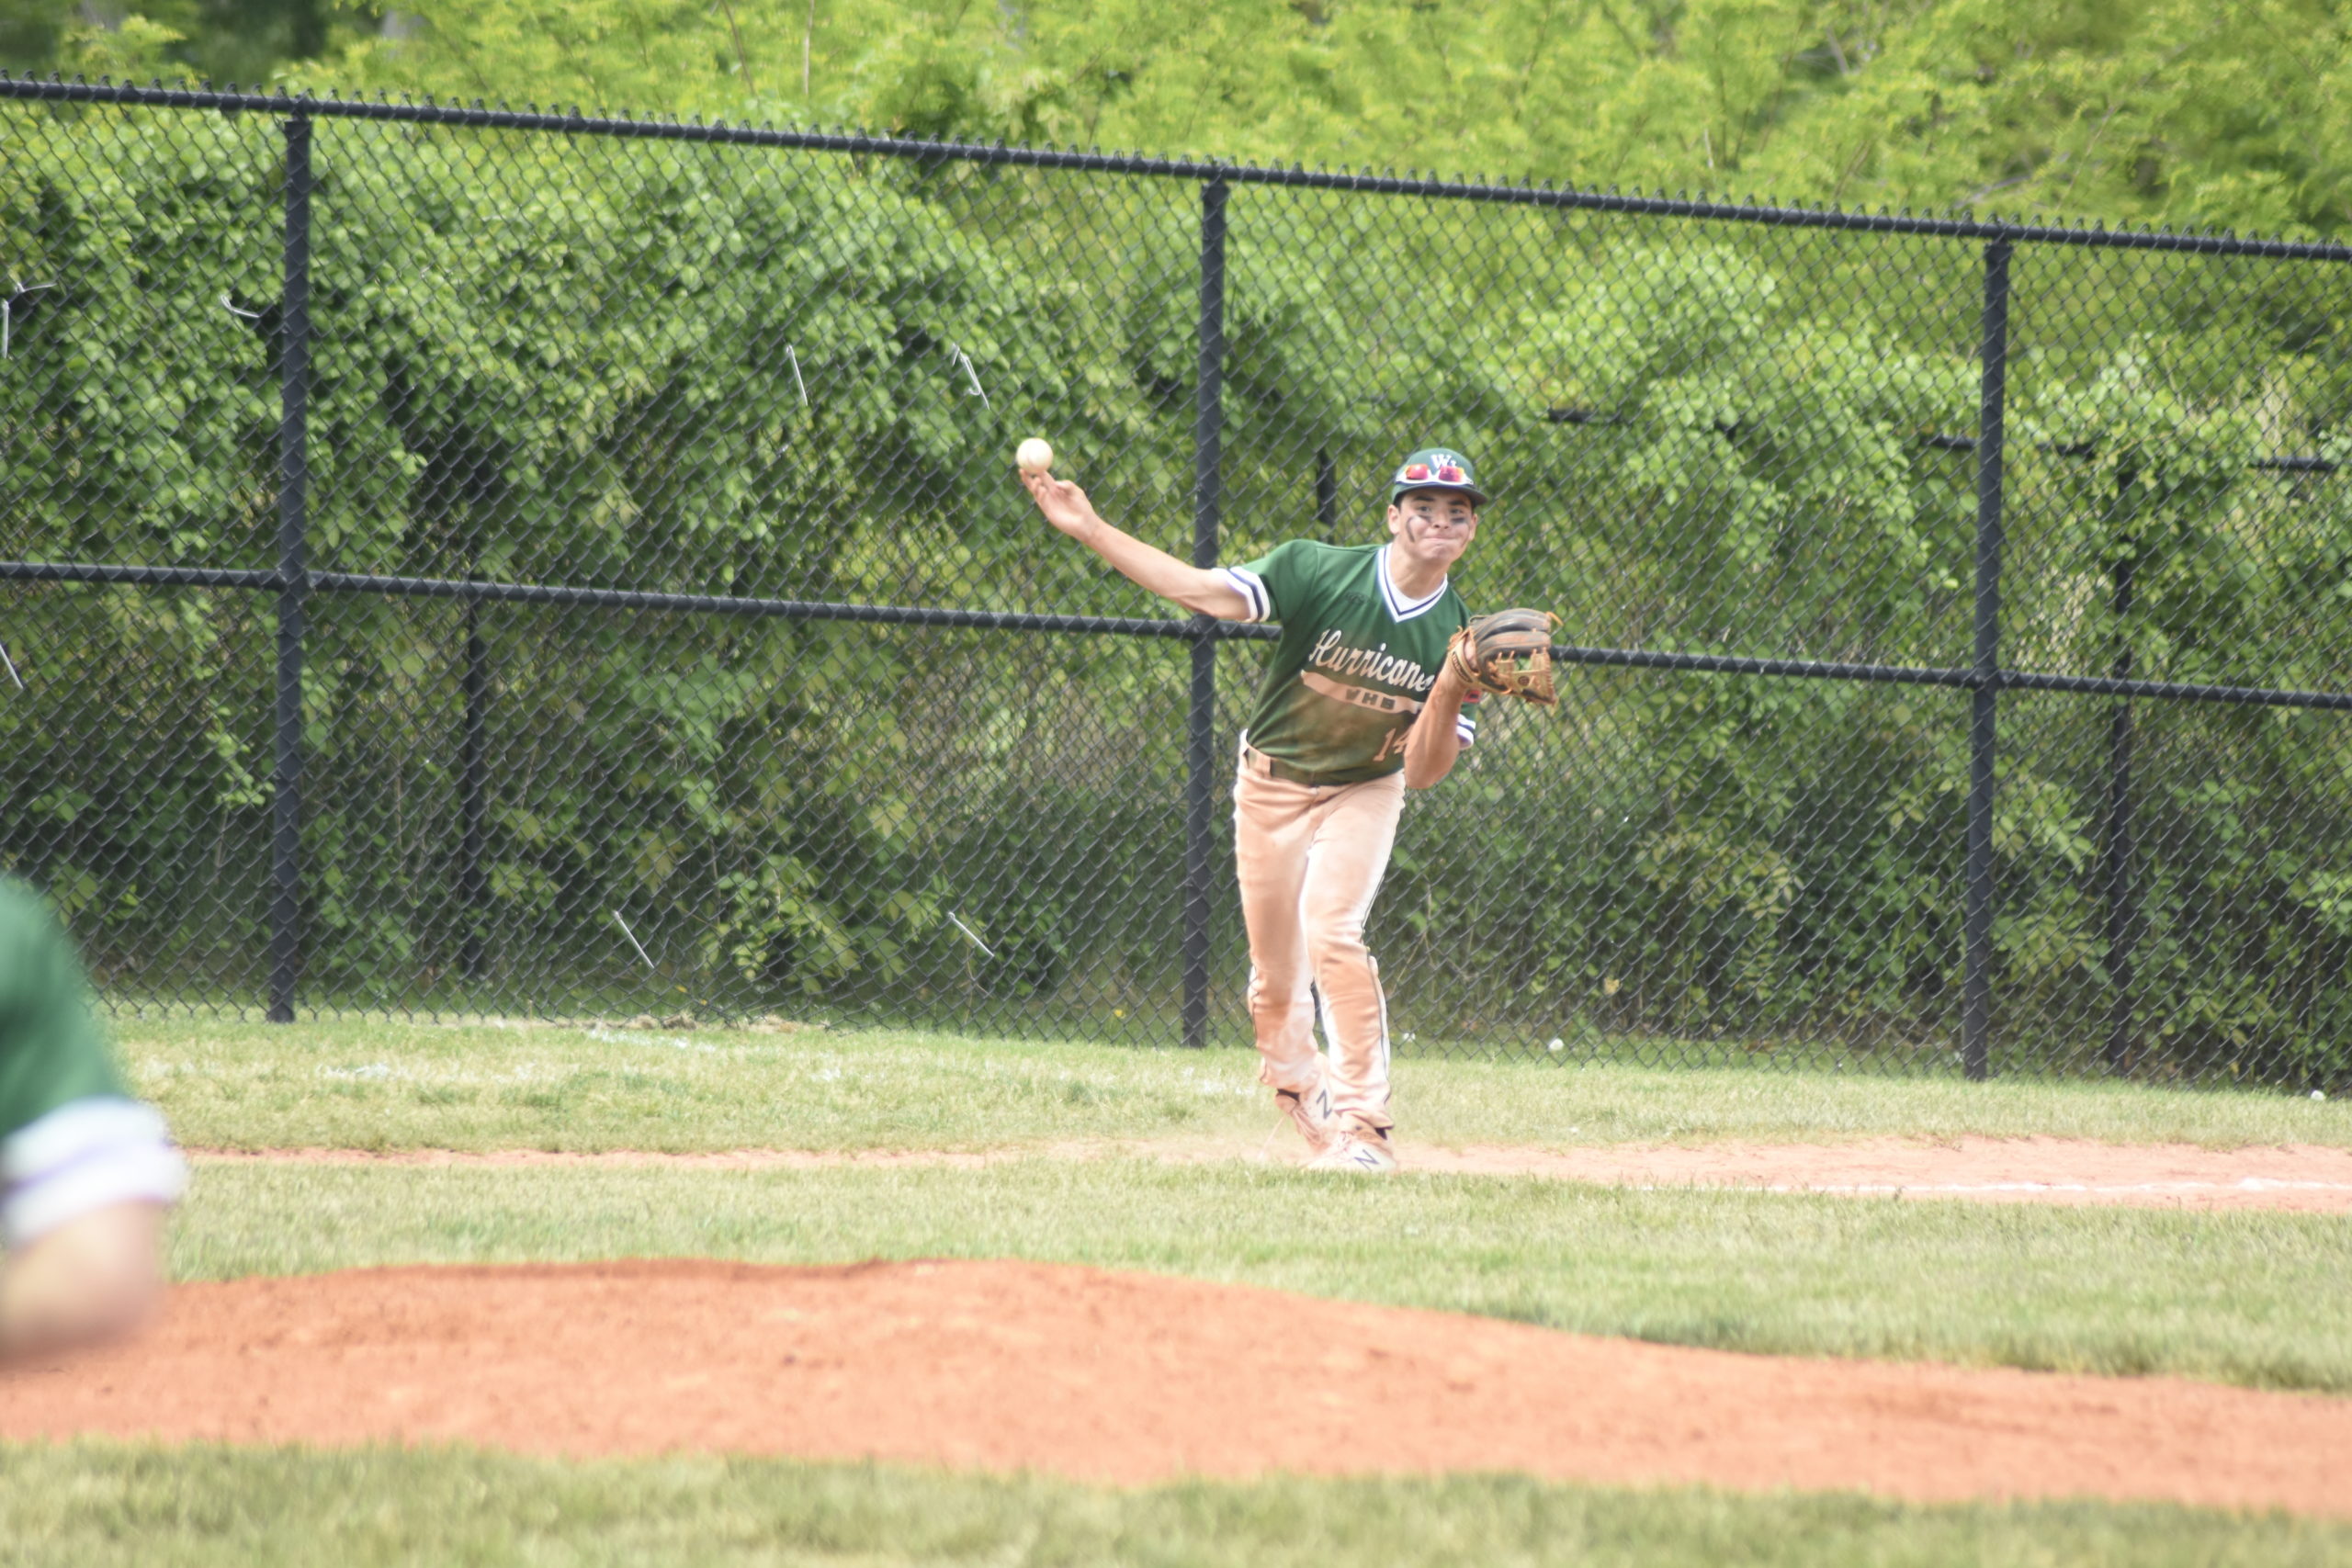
[(676, 641)]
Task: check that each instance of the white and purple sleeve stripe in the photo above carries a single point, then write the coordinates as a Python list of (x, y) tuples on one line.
[(1252, 588), (89, 1155)]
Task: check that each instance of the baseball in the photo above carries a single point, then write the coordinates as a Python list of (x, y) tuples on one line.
[(1034, 455)]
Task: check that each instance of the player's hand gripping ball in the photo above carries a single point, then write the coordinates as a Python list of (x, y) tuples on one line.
[(1034, 456), (1508, 653)]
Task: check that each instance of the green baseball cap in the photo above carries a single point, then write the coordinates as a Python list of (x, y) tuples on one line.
[(1437, 467)]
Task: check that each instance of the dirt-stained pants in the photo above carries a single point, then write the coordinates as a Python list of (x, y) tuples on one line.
[(1310, 859)]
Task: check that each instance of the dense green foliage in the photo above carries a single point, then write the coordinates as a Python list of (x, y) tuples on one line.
[(2173, 110), (223, 40), (638, 434), (615, 364), (705, 370)]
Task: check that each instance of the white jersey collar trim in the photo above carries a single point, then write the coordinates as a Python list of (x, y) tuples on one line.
[(1400, 607)]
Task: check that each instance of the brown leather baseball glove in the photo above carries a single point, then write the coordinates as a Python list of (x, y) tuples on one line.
[(1508, 653)]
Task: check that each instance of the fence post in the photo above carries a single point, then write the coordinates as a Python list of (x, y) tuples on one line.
[(2123, 905), (472, 779), (1976, 986), (293, 576), (1208, 501), (1327, 497)]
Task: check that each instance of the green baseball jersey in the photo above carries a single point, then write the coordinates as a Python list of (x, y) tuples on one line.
[(1355, 660), (51, 1049), (70, 1140)]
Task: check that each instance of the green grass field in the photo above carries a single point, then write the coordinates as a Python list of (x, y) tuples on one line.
[(2241, 1297), (2238, 1297), (105, 1504), (377, 1085)]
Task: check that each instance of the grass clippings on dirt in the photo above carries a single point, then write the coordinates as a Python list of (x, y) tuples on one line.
[(2245, 1297), (98, 1502), (385, 1086)]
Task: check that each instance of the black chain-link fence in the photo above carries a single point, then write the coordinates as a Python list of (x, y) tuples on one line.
[(466, 561)]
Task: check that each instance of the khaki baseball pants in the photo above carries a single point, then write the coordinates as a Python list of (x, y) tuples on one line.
[(1310, 859)]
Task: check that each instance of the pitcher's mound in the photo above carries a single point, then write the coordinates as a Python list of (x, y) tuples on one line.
[(1131, 1378)]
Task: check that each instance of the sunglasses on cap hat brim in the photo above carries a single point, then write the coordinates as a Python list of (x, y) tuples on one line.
[(1469, 493)]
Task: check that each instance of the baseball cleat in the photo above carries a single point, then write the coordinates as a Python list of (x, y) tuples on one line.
[(1363, 1149), (1310, 1112)]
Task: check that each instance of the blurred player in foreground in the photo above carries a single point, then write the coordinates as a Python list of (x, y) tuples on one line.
[(85, 1171), (1361, 703)]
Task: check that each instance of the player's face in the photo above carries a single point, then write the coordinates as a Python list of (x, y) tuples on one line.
[(1433, 526)]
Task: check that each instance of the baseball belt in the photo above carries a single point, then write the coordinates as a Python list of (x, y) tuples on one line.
[(1257, 764)]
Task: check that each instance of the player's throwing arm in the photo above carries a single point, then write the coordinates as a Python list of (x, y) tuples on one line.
[(1068, 509)]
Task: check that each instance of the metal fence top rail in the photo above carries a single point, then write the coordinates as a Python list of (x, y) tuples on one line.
[(576, 123)]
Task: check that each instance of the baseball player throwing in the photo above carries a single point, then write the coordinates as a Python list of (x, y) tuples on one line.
[(1367, 696), (85, 1171)]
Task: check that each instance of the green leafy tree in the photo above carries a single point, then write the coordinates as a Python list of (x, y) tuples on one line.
[(2164, 110), (220, 40)]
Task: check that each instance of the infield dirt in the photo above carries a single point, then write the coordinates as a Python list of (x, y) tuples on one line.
[(1130, 1378)]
